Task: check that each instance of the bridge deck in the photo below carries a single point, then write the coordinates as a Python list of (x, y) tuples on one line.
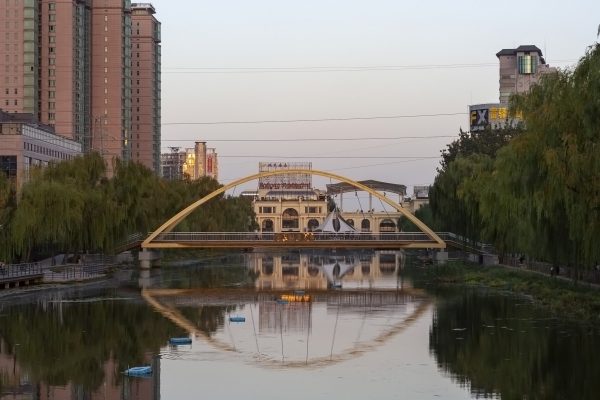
[(387, 240)]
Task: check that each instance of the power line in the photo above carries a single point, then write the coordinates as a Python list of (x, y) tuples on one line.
[(338, 68), (280, 157), (308, 139), (317, 119)]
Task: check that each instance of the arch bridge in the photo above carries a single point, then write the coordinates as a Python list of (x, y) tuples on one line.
[(164, 237)]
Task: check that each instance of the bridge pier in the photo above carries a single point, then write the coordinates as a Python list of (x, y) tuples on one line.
[(441, 256), (147, 257)]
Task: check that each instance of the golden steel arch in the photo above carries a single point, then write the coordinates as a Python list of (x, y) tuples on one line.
[(177, 218)]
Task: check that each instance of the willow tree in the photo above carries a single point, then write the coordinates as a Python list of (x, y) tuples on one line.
[(558, 161), (6, 207)]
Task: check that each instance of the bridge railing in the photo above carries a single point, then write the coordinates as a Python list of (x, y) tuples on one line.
[(291, 236), (11, 271), (466, 242)]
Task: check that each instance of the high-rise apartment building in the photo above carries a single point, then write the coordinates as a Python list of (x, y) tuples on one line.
[(145, 67), (520, 68), (70, 64)]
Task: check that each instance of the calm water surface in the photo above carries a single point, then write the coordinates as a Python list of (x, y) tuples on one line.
[(373, 328)]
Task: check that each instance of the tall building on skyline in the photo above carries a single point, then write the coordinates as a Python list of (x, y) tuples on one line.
[(145, 67), (190, 163), (520, 69), (70, 64)]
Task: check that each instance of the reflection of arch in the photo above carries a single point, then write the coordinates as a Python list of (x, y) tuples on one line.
[(267, 225), (174, 315), (365, 225), (387, 225), (289, 219), (177, 218), (312, 224)]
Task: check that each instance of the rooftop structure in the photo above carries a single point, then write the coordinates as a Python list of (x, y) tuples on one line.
[(520, 68)]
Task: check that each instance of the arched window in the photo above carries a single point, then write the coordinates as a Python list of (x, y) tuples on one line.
[(289, 219), (312, 224), (350, 222), (387, 225), (365, 225)]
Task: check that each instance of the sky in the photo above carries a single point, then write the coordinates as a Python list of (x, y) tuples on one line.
[(421, 62)]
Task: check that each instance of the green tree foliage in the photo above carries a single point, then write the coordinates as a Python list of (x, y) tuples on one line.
[(7, 205), (73, 207), (535, 191), (425, 214)]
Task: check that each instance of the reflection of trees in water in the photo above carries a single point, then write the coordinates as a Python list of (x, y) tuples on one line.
[(494, 345), (207, 318), (71, 342), (206, 276)]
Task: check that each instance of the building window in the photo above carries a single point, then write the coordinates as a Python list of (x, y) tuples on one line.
[(51, 28), (51, 72), (51, 49), (51, 39), (51, 82), (52, 17), (527, 64), (51, 116), (51, 105), (51, 61), (51, 94), (51, 6)]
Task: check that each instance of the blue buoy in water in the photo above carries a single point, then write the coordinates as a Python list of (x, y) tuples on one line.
[(237, 319), (139, 371), (176, 341)]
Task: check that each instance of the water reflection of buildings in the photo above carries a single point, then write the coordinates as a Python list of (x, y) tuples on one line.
[(321, 270), (17, 384)]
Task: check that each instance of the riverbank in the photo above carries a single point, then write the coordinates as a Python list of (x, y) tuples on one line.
[(564, 298)]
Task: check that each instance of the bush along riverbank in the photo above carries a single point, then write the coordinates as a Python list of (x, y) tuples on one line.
[(565, 298)]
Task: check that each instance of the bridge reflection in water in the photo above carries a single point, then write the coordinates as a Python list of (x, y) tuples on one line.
[(338, 324)]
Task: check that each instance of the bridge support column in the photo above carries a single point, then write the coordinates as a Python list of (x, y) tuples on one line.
[(490, 259), (441, 256), (146, 257)]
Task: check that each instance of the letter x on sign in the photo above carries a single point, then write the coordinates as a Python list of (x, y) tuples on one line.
[(482, 117)]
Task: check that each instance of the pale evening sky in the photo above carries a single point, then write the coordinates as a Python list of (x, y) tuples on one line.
[(263, 60)]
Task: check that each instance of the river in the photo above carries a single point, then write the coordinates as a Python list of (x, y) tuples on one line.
[(370, 327)]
